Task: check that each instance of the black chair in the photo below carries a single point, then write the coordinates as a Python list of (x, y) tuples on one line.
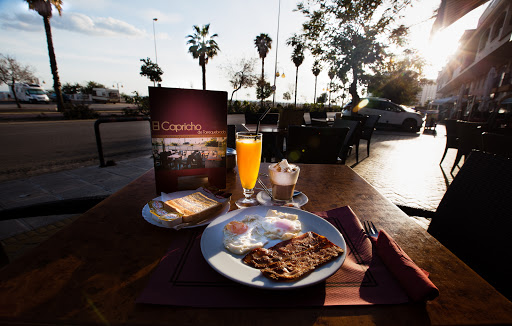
[(469, 137), (474, 216), (253, 118), (290, 117), (231, 137), (497, 144), (349, 139), (451, 136), (318, 115), (315, 145), (368, 129), (359, 132)]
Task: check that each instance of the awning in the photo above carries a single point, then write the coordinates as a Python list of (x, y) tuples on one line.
[(452, 10), (507, 101), (445, 100)]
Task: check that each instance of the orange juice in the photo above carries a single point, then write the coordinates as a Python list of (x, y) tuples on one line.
[(248, 157)]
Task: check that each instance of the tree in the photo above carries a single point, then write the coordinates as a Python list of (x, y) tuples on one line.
[(263, 43), (68, 88), (399, 80), (322, 98), (352, 33), (11, 72), (287, 96), (263, 91), (241, 75), (87, 89), (203, 47), (331, 73), (44, 8), (317, 68), (297, 57), (151, 70)]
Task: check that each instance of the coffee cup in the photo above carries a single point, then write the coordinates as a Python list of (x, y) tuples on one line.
[(283, 177)]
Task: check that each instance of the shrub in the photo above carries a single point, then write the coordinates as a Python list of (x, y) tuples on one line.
[(79, 111), (142, 103)]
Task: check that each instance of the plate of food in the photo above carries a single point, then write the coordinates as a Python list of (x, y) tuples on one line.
[(273, 247), (185, 209)]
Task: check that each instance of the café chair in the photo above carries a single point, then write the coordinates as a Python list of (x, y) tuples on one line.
[(349, 142), (314, 145), (318, 115), (497, 144), (253, 118), (358, 132), (473, 218), (469, 137), (451, 136), (368, 129), (319, 123), (290, 117), (231, 137)]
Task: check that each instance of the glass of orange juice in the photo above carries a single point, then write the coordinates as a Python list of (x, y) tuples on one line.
[(248, 158)]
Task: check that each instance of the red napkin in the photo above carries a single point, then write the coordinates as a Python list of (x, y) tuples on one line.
[(412, 278)]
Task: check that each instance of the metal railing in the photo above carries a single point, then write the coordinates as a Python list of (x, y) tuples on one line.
[(98, 135)]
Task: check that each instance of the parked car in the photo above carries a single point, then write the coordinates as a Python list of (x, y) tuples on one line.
[(53, 97), (392, 115)]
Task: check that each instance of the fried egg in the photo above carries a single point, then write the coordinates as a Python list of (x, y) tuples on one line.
[(242, 236), (282, 226), (255, 231)]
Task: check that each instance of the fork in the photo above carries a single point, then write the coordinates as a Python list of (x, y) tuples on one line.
[(370, 229)]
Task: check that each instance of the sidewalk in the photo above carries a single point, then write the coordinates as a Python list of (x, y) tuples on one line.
[(404, 167)]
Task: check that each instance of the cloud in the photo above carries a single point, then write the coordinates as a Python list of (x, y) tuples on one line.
[(22, 21), (74, 22), (106, 26)]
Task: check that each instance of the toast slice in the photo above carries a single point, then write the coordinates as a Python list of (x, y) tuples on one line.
[(194, 207)]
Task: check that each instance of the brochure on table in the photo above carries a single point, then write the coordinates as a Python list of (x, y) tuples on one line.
[(189, 135)]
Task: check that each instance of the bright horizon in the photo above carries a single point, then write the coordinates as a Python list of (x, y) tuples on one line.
[(104, 40)]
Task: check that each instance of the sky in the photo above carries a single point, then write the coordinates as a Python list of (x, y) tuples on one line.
[(104, 40)]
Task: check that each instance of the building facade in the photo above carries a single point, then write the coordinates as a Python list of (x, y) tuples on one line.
[(476, 84)]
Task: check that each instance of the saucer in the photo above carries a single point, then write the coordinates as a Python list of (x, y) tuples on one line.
[(265, 200)]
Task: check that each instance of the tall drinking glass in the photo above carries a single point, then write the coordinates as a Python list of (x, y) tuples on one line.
[(248, 158)]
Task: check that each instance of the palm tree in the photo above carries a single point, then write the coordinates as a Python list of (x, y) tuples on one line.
[(332, 74), (297, 57), (263, 43), (316, 71), (44, 8), (203, 47)]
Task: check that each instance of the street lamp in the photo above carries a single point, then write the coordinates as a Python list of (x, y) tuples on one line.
[(154, 38), (277, 46)]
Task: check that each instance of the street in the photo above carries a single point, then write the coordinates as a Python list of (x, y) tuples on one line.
[(32, 147)]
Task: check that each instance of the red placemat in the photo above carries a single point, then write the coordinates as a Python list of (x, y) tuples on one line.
[(184, 278)]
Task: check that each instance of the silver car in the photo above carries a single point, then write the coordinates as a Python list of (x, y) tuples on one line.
[(392, 114)]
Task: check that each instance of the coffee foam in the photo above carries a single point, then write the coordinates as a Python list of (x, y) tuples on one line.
[(284, 178)]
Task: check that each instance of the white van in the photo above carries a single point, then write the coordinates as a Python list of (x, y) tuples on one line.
[(32, 93), (105, 95)]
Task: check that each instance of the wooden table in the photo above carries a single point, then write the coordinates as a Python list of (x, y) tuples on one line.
[(91, 272)]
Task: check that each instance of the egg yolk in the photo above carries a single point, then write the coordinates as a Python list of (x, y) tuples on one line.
[(237, 227)]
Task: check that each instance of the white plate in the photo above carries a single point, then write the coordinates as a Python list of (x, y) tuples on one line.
[(265, 200), (146, 214), (232, 267)]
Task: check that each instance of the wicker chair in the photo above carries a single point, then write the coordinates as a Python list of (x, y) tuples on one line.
[(368, 128), (475, 216), (359, 132), (497, 144), (314, 145), (469, 137), (349, 139), (451, 136)]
